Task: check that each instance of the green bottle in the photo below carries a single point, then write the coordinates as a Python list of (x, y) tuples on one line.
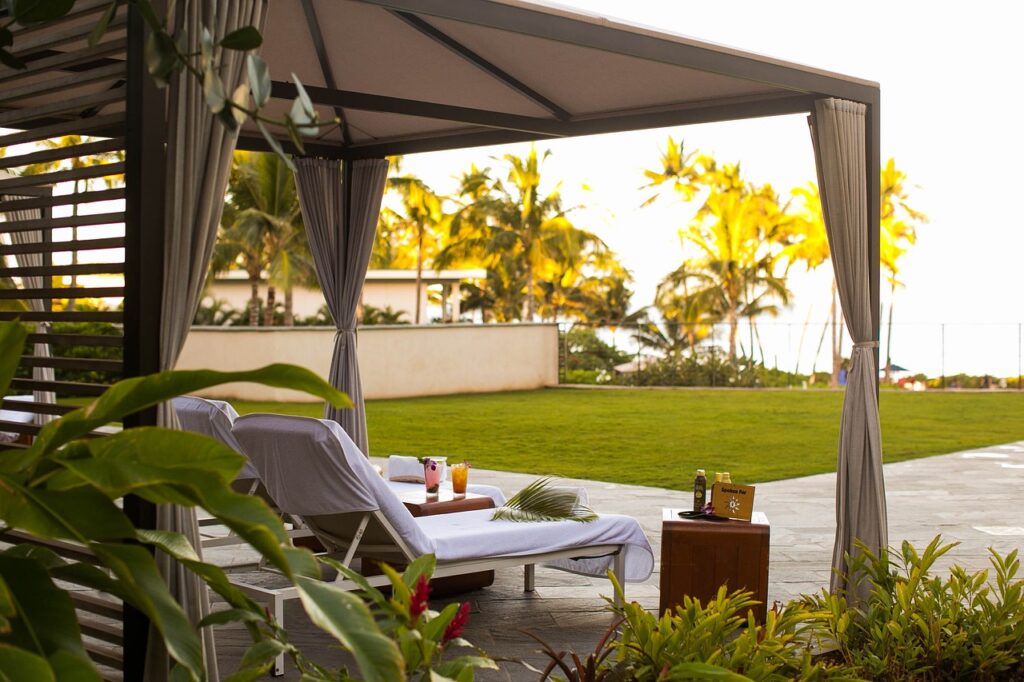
[(700, 490)]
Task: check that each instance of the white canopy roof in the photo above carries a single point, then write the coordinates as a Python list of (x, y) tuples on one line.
[(420, 75)]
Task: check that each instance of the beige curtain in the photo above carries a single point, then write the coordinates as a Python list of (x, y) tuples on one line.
[(341, 223), (838, 133), (31, 260), (199, 151)]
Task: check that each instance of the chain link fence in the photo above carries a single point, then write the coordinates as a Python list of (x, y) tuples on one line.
[(781, 354)]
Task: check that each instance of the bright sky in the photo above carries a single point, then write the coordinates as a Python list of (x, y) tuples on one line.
[(951, 116)]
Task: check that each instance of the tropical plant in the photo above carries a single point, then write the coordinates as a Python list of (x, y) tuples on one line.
[(719, 640), (74, 163), (899, 224), (581, 277), (65, 487), (898, 233), (423, 636), (915, 626), (809, 245), (217, 312), (262, 231), (542, 500), (737, 233), (538, 262), (920, 626), (585, 350), (168, 53), (423, 216), (386, 315), (681, 171)]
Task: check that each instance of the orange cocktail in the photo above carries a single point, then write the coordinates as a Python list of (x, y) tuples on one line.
[(460, 477)]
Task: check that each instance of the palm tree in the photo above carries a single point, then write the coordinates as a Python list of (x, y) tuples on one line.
[(898, 234), (262, 231), (686, 171), (809, 245), (506, 217), (899, 222), (424, 217), (74, 163), (735, 232)]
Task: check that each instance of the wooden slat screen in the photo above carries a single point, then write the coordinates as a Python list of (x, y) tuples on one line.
[(62, 143)]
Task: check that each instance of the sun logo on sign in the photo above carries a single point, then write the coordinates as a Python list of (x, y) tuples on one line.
[(733, 504)]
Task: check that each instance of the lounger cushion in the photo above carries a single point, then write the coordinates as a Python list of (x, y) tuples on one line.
[(17, 417), (212, 418), (472, 535), (312, 468)]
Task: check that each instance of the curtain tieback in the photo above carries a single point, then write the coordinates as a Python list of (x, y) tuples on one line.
[(865, 344)]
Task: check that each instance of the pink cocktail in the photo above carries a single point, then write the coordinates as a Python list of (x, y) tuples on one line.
[(432, 476)]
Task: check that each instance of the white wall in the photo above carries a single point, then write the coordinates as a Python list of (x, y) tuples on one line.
[(401, 296), (395, 362)]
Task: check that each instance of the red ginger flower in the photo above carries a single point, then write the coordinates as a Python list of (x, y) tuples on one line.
[(457, 623), (420, 595)]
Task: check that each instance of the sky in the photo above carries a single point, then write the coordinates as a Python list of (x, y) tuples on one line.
[(951, 117)]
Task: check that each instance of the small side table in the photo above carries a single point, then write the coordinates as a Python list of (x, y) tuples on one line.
[(699, 556), (447, 503)]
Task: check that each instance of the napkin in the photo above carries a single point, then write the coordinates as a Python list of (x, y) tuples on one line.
[(409, 469)]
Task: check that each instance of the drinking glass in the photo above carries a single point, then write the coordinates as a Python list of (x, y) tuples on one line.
[(460, 477), (432, 476)]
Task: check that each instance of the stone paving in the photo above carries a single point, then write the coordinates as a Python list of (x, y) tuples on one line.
[(974, 497)]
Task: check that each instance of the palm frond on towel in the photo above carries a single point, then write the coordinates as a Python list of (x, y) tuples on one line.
[(543, 501)]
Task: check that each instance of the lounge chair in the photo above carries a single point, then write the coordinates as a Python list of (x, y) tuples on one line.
[(314, 470), (17, 417), (215, 418)]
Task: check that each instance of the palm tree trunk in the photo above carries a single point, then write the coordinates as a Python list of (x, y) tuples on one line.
[(529, 288), (419, 270), (254, 302), (734, 325), (74, 238), (888, 336), (800, 344), (289, 314), (268, 312), (837, 357)]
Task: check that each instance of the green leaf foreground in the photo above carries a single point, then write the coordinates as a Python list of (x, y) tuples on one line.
[(542, 500), (64, 487)]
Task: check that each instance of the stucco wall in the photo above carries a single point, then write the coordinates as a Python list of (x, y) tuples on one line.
[(401, 296), (395, 362)]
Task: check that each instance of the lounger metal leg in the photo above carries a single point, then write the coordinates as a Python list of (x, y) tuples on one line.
[(528, 576), (619, 569), (277, 611)]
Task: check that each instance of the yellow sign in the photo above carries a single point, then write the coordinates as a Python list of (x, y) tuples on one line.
[(732, 500)]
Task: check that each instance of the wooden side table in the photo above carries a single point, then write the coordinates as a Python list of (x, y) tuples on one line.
[(699, 556), (447, 503)]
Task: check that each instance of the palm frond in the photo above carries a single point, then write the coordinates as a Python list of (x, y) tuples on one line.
[(543, 501)]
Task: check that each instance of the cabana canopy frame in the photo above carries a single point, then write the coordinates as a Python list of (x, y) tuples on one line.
[(408, 76)]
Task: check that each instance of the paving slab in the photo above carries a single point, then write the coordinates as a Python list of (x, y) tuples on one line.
[(974, 497)]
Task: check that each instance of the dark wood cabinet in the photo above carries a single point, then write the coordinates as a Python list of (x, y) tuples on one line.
[(699, 556)]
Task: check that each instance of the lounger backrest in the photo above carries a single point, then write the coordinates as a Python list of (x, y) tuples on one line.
[(16, 416), (213, 418), (313, 469)]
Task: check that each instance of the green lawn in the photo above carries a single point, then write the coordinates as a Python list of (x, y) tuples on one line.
[(660, 437)]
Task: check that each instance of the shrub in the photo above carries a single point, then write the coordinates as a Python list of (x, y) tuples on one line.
[(914, 626), (919, 626), (586, 351)]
